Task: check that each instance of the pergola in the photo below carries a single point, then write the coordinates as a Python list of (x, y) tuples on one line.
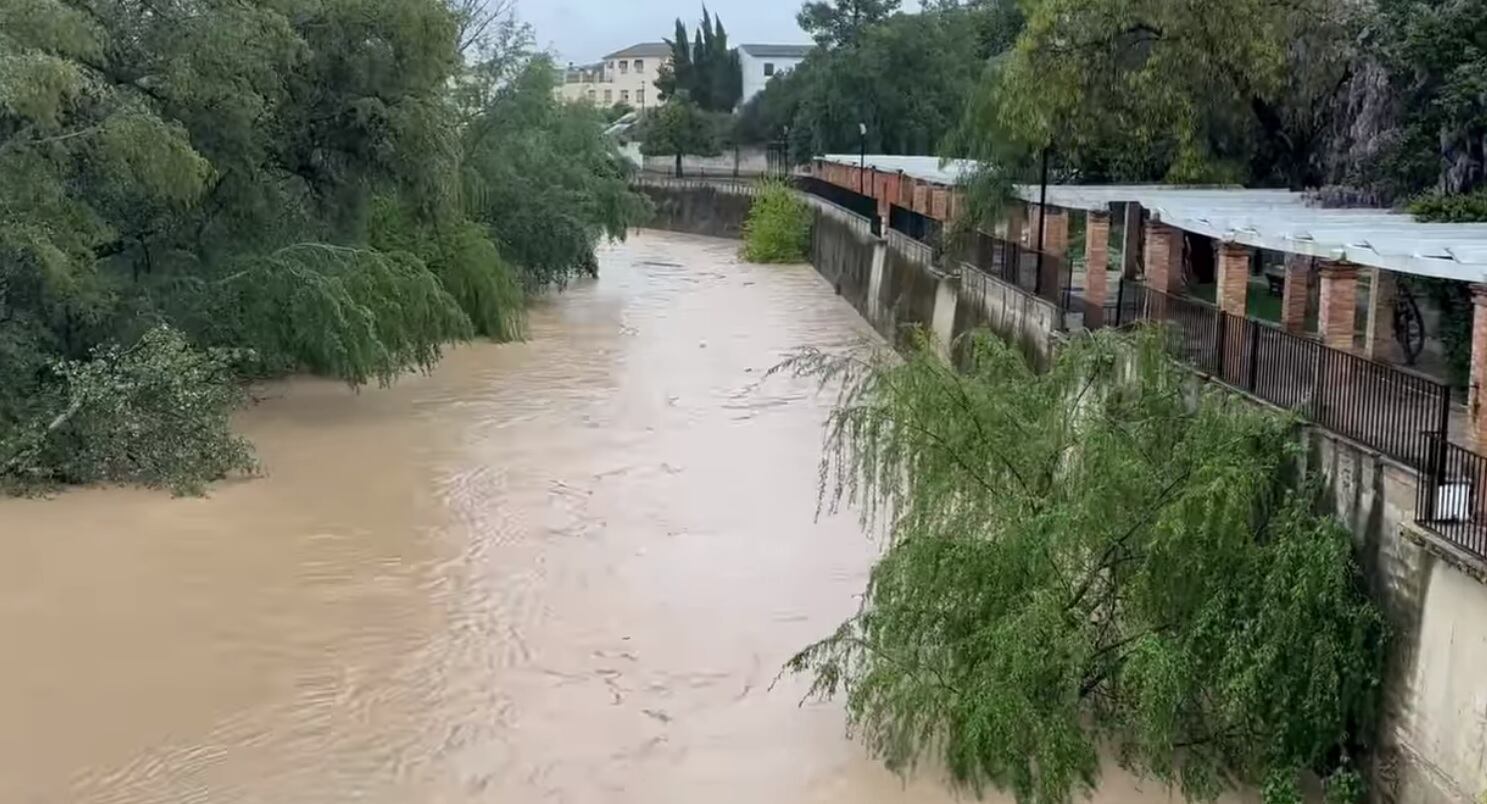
[(1341, 242)]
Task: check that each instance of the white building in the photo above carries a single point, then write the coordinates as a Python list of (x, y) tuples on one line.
[(625, 76), (760, 63)]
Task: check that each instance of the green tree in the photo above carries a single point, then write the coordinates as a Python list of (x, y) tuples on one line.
[(1418, 103), (707, 71), (544, 180), (1151, 90), (1098, 556), (906, 79), (335, 186), (679, 129), (841, 22)]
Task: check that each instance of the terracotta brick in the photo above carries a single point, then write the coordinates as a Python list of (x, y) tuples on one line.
[(1297, 293), (1012, 227), (1378, 340), (939, 205), (1163, 255), (1478, 365), (1096, 263), (1233, 278), (921, 198), (1338, 312)]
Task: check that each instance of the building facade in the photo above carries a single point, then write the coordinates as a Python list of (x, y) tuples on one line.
[(625, 76), (759, 63), (629, 76)]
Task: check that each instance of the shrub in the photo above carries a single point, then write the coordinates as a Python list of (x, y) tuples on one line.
[(778, 228), (1441, 208)]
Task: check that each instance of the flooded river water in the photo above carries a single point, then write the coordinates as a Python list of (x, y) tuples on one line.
[(564, 570)]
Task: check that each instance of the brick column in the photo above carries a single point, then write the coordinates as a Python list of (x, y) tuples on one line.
[(1474, 408), (1014, 223), (1233, 279), (1379, 343), (1096, 263), (1163, 250), (1055, 248), (1337, 316), (1297, 293)]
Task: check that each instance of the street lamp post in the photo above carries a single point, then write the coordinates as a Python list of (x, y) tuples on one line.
[(862, 154)]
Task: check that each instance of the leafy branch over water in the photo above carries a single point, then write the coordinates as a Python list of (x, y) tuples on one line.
[(1096, 556)]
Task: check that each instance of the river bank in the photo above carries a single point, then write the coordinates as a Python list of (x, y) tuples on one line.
[(567, 569)]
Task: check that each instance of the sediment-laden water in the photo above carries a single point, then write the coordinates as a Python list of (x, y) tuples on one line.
[(565, 570)]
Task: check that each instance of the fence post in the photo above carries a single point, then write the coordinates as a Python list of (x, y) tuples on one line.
[(1254, 355), (1435, 475), (1220, 340), (1120, 300)]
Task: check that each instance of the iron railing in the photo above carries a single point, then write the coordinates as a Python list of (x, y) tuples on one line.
[(1452, 499), (863, 205), (1382, 407), (1047, 276)]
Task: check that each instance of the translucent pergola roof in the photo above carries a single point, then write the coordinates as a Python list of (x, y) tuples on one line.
[(1279, 220)]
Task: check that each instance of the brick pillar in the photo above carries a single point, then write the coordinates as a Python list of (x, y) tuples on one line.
[(1379, 343), (1297, 293), (1012, 233), (1054, 265), (1233, 279), (1478, 366), (1096, 263), (1337, 316), (1163, 250), (1029, 234)]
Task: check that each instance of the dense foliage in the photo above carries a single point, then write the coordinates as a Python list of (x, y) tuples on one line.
[(680, 128), (1099, 557), (906, 78), (707, 72), (842, 22), (778, 228), (337, 186)]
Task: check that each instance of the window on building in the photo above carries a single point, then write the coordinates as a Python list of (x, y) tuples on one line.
[(624, 96), (768, 69), (639, 65), (624, 66), (640, 97), (609, 96)]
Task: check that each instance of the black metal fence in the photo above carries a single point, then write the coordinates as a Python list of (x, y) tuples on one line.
[(861, 204), (1047, 276), (1395, 412), (1452, 499)]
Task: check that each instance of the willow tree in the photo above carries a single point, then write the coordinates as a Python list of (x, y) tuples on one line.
[(1095, 557)]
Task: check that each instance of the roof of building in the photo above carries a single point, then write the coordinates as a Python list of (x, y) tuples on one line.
[(777, 51), (643, 49), (1279, 220)]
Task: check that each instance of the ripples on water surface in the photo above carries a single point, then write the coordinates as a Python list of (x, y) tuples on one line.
[(563, 570)]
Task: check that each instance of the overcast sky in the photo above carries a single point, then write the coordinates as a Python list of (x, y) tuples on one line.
[(583, 30)]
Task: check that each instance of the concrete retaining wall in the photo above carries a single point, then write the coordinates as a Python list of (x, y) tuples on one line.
[(1014, 314), (699, 207), (1433, 725), (1432, 740)]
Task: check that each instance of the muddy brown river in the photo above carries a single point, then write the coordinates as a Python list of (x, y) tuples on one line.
[(565, 570)]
